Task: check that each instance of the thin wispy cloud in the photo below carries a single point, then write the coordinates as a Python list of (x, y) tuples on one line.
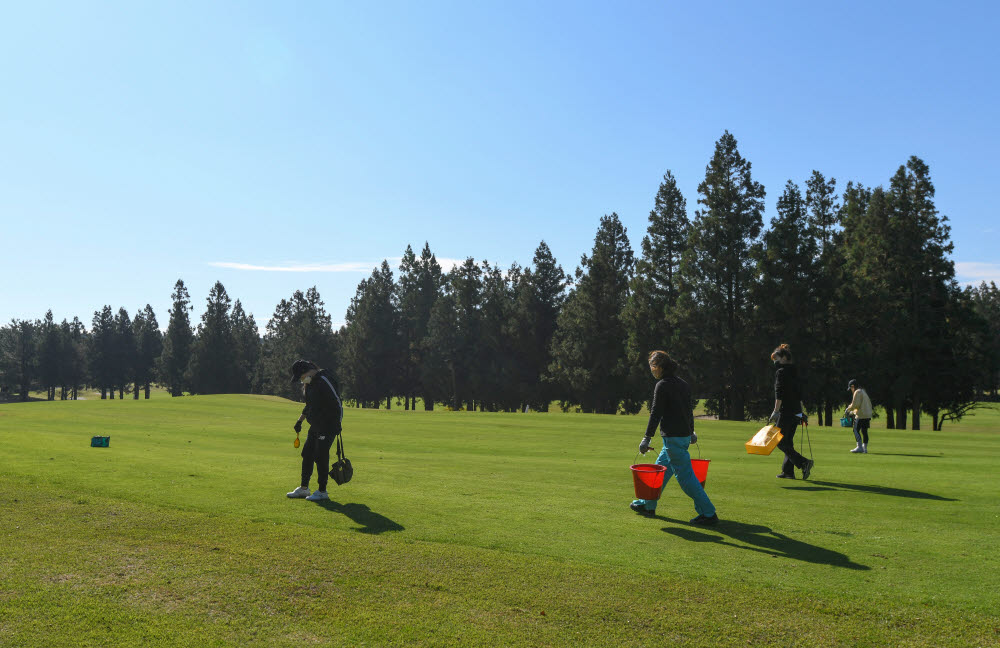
[(351, 266), (974, 273), (296, 267)]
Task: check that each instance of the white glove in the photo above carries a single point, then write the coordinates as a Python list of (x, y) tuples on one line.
[(694, 437), (774, 417), (644, 444)]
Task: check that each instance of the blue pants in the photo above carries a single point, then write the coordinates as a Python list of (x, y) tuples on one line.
[(678, 462)]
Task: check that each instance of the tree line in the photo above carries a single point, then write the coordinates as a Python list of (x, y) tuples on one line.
[(857, 280)]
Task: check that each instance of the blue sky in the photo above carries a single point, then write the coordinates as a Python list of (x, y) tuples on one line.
[(141, 143)]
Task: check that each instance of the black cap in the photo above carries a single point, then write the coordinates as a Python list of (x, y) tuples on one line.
[(300, 367), (852, 383)]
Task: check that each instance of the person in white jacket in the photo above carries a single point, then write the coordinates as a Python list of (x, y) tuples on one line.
[(861, 409)]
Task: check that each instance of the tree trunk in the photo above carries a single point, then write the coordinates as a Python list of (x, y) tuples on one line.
[(388, 402), (934, 421), (829, 413), (147, 391), (890, 422), (74, 395), (428, 403), (406, 402), (121, 392), (136, 397), (915, 424), (901, 416)]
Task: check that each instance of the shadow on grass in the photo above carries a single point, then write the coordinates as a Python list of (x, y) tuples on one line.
[(878, 490), (762, 539), (903, 454), (371, 522)]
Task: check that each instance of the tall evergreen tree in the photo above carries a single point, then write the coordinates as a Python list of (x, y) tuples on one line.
[(102, 352), (925, 276), (785, 295), (123, 353), (712, 321), (213, 365), (539, 295), (465, 284), (19, 355), (73, 368), (149, 347), (655, 287), (300, 328), (985, 299), (496, 367), (824, 220), (246, 339), (177, 342), (371, 347), (589, 360), (419, 286), (49, 355)]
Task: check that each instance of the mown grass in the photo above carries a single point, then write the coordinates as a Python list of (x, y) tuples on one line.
[(480, 529)]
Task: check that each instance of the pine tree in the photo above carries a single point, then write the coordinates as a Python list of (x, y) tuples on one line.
[(19, 355), (655, 287), (589, 360), (149, 347), (246, 339), (496, 362), (177, 342), (985, 299), (102, 350), (123, 353), (74, 365), (213, 365), (823, 223), (785, 296), (714, 313), (49, 355), (300, 328), (539, 295)]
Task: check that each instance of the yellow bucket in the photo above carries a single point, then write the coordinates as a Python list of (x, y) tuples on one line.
[(764, 441)]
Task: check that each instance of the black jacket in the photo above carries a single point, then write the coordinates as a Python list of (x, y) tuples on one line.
[(323, 409), (671, 408), (786, 388)]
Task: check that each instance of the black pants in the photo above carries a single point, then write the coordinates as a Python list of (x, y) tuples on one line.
[(861, 430), (793, 459), (316, 450)]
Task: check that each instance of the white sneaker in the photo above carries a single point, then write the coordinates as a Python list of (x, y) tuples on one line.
[(318, 496), (864, 448), (859, 449), (298, 493)]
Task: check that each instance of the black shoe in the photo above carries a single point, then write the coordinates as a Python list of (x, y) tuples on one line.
[(784, 476), (704, 520), (642, 510), (807, 468)]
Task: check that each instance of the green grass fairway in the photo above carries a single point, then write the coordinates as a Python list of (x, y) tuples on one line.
[(473, 529)]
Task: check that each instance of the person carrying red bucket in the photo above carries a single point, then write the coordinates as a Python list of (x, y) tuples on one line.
[(671, 411)]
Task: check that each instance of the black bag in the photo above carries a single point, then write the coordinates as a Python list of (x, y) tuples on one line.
[(342, 471)]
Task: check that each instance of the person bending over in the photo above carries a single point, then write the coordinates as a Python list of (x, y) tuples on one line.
[(325, 413)]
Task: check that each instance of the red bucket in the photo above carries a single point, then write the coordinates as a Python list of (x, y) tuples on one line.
[(700, 470), (648, 479)]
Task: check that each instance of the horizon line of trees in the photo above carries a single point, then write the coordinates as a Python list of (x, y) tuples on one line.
[(858, 281)]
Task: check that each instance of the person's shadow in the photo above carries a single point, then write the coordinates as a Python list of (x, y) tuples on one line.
[(762, 539), (878, 490), (370, 521)]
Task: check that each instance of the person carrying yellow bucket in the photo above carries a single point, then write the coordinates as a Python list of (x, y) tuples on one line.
[(671, 411)]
